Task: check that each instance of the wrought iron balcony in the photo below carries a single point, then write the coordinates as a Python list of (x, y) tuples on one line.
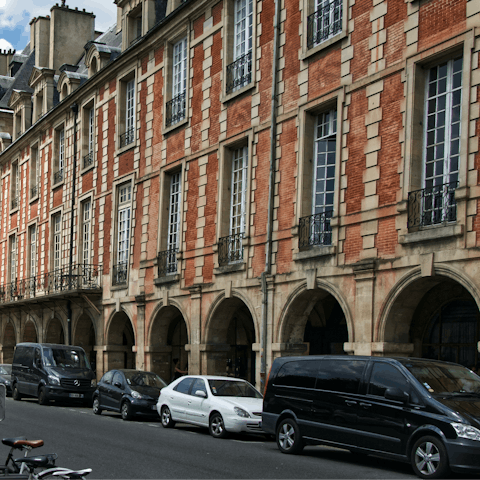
[(167, 262), (15, 202), (88, 160), (120, 274), (58, 177), (34, 191), (175, 110), (62, 280), (432, 206), (230, 249), (315, 230), (239, 73), (127, 138), (324, 23)]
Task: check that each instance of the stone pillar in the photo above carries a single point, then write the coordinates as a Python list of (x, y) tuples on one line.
[(195, 366), (140, 336)]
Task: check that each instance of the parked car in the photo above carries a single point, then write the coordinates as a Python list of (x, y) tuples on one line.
[(130, 392), (223, 404), (421, 411), (52, 372), (6, 377)]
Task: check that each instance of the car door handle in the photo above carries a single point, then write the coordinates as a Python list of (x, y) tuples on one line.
[(365, 405), (350, 403)]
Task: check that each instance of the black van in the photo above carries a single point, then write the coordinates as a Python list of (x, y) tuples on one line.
[(421, 411), (52, 372)]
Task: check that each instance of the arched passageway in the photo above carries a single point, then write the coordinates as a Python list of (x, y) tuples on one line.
[(55, 333), (120, 343), (84, 337), (8, 343), (29, 332)]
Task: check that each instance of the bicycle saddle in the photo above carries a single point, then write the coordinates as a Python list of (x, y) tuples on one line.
[(10, 441), (38, 460), (28, 443)]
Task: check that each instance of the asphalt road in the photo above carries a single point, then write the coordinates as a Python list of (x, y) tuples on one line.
[(143, 449)]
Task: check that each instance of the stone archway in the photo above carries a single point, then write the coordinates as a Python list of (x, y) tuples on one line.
[(120, 343), (55, 332), (314, 324), (84, 337), (230, 339), (168, 338), (30, 332), (9, 342)]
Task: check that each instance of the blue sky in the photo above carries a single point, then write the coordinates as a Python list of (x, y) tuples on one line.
[(15, 16)]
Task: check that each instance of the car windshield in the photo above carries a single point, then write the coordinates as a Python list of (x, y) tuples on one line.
[(5, 369), (233, 388), (144, 379), (64, 358), (445, 379)]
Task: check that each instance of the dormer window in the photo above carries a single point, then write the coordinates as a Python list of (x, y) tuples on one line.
[(93, 66), (134, 25)]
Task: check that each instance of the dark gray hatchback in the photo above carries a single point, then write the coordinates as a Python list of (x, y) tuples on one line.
[(421, 411)]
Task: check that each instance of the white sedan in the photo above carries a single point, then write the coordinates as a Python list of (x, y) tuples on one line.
[(223, 404)]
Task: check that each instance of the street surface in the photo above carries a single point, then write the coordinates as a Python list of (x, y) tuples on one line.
[(143, 449)]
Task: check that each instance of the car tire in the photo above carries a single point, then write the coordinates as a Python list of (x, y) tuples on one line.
[(429, 458), (16, 394), (289, 438), (42, 396), (217, 426), (97, 410), (166, 417), (126, 410)]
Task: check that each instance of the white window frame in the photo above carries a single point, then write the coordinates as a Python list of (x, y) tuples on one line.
[(61, 150), (130, 105), (86, 231), (91, 130), (57, 242), (13, 258), (32, 232), (174, 217), (124, 217)]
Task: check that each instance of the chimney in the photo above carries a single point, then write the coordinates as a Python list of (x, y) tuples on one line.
[(41, 35), (70, 30), (5, 59)]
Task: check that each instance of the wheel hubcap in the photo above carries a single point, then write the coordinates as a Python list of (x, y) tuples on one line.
[(286, 436), (427, 458), (217, 426), (166, 417)]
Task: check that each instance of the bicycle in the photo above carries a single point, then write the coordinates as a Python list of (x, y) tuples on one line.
[(17, 443), (51, 472)]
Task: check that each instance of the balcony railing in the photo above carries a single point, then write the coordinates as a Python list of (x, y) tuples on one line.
[(230, 249), (34, 191), (58, 177), (81, 277), (14, 202), (119, 274), (175, 110), (325, 23), (315, 230), (239, 73), (88, 160), (127, 138), (167, 262), (432, 206)]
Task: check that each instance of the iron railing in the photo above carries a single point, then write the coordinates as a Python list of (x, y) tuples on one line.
[(120, 274), (432, 206), (239, 73), (14, 202), (315, 230), (167, 262), (127, 138), (88, 160), (175, 109), (324, 23), (80, 277), (230, 249), (34, 191), (58, 177)]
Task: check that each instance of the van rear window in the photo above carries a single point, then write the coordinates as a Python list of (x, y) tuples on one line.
[(297, 374), (340, 376)]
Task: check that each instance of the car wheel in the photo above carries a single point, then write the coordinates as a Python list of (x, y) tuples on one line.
[(216, 426), (126, 410), (289, 439), (166, 418), (429, 458), (42, 396), (15, 393), (96, 406)]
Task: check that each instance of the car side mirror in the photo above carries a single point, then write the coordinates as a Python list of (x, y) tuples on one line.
[(397, 394), (200, 393), (118, 384)]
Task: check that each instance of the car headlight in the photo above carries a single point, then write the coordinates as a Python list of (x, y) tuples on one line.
[(93, 383), (241, 412), (466, 431), (135, 394), (53, 380)]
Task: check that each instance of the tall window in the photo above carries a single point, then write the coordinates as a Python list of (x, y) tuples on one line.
[(441, 157), (91, 130), (123, 233), (34, 172), (173, 222), (57, 242), (325, 23), (86, 223), (239, 73), (15, 185), (176, 107), (58, 174), (128, 112), (13, 259), (32, 233)]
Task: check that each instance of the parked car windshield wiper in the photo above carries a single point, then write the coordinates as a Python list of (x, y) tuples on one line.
[(460, 394)]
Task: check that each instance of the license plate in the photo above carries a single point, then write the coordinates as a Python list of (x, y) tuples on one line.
[(76, 395)]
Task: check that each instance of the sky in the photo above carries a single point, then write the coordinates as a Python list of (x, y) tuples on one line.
[(15, 16)]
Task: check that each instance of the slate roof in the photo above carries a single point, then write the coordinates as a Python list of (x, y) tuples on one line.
[(20, 81)]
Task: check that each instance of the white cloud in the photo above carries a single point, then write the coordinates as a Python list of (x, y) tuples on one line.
[(4, 45)]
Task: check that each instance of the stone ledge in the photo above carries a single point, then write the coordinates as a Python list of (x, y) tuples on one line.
[(313, 252), (433, 233), (234, 267), (167, 279)]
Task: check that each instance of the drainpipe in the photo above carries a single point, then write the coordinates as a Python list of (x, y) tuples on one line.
[(271, 184), (74, 108)]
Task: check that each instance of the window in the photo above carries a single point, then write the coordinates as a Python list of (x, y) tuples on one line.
[(340, 375), (239, 72), (176, 107), (184, 385), (107, 378), (32, 234), (123, 234), (60, 156), (86, 222), (325, 23), (302, 374), (13, 259), (435, 202), (88, 136), (134, 21), (127, 113), (57, 242), (15, 186), (199, 384), (34, 173), (386, 376)]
